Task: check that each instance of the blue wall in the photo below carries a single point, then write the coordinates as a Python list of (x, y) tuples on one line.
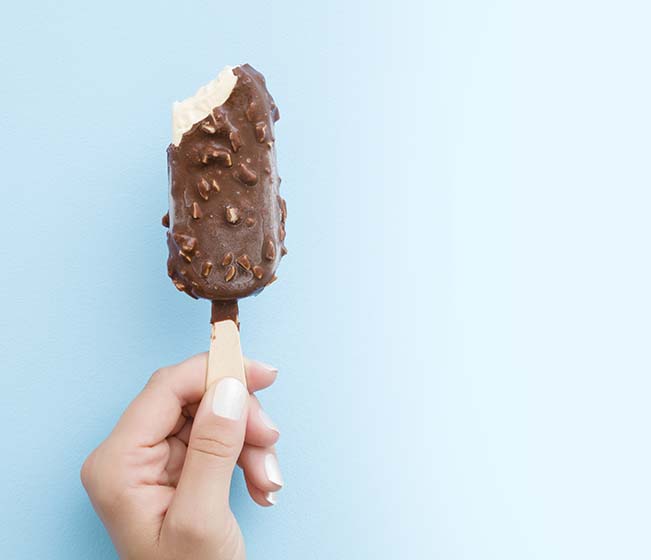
[(461, 325)]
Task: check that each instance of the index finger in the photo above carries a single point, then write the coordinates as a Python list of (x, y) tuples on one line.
[(154, 413)]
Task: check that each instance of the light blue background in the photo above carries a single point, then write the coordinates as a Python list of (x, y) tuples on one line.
[(462, 323)]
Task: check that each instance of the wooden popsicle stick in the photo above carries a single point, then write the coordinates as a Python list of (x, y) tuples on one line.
[(225, 354)]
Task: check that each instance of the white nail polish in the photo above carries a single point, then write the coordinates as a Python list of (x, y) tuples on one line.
[(272, 469), (268, 421), (271, 498), (229, 398)]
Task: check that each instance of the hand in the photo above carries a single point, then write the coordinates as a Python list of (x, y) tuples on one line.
[(160, 482)]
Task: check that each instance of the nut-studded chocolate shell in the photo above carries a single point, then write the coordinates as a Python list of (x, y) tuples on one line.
[(227, 219)]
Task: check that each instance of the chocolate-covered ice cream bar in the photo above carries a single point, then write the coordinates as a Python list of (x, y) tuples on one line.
[(226, 218)]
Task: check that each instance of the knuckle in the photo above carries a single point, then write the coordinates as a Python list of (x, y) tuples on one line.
[(215, 445), (100, 478), (157, 376), (87, 470)]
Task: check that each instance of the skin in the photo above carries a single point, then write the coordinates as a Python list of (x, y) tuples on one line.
[(160, 482)]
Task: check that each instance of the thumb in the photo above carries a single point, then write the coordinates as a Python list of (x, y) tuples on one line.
[(215, 444)]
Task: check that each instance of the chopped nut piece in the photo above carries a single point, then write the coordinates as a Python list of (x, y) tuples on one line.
[(215, 185), (283, 208), (232, 215), (222, 157), (246, 175), (187, 243), (187, 257), (230, 273), (196, 211), (208, 128), (275, 113), (261, 132), (203, 187), (228, 259), (226, 160), (249, 222), (258, 272), (221, 121), (236, 141), (244, 262), (206, 267), (165, 220), (270, 250), (253, 112)]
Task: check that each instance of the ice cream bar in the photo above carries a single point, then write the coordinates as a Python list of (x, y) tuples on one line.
[(226, 217)]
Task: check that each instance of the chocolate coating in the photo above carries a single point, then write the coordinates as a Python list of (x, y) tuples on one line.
[(226, 219), (225, 311)]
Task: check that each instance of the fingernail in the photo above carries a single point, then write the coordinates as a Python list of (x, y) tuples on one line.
[(268, 421), (229, 398), (271, 498), (272, 470)]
